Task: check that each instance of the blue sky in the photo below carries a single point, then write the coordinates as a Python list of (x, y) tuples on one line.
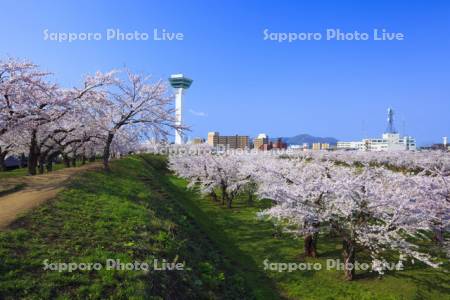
[(244, 84)]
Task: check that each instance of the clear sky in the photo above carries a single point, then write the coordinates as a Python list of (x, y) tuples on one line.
[(244, 84)]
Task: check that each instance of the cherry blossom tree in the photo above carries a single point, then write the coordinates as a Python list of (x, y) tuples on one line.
[(136, 103), (213, 173), (373, 208), (17, 78), (30, 100), (298, 188)]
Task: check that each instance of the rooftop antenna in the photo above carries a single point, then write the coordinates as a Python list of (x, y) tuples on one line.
[(390, 120)]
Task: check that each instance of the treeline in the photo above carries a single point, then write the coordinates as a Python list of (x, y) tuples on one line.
[(389, 215), (109, 113)]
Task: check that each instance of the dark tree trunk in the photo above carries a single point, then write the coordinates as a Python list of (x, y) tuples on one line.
[(250, 198), (438, 235), (229, 202), (107, 151), (49, 165), (224, 195), (310, 245), (50, 159), (33, 154), (41, 165), (2, 161), (92, 155), (348, 253), (66, 160), (74, 161), (214, 196), (83, 157), (334, 230), (23, 160)]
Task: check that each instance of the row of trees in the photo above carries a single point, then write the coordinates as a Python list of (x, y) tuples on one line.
[(389, 214), (109, 112), (415, 161)]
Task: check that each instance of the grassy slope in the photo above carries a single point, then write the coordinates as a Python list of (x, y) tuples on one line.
[(259, 240), (123, 215)]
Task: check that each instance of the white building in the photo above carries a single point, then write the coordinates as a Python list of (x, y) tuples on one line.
[(388, 142)]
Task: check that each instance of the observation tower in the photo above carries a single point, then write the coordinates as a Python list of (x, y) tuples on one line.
[(180, 83)]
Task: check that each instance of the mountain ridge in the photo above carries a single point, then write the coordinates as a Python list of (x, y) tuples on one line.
[(300, 139)]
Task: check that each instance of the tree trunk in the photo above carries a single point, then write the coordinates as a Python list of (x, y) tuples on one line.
[(250, 198), (74, 161), (107, 152), (229, 202), (310, 245), (224, 195), (438, 235), (33, 154), (92, 155), (2, 161), (41, 165), (50, 159), (49, 165), (348, 248), (83, 158), (334, 230), (66, 160), (213, 196), (23, 160)]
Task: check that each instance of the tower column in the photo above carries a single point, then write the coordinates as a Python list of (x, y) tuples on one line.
[(178, 115), (179, 83)]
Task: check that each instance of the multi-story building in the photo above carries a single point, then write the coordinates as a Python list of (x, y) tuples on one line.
[(213, 138), (228, 142), (262, 141), (197, 141), (279, 144), (325, 146), (388, 142), (316, 146), (320, 146)]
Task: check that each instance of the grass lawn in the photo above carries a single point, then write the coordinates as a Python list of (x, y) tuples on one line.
[(139, 212), (122, 215)]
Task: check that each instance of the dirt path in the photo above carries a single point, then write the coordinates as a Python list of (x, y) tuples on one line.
[(37, 190)]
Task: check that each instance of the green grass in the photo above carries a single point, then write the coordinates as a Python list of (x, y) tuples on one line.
[(139, 212), (24, 171), (250, 241), (124, 215)]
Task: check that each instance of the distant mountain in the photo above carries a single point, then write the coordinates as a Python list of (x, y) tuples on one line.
[(309, 139)]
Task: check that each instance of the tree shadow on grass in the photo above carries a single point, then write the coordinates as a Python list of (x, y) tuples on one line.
[(239, 262), (429, 281)]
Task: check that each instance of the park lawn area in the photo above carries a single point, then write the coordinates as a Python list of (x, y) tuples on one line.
[(126, 215), (24, 171), (250, 241)]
